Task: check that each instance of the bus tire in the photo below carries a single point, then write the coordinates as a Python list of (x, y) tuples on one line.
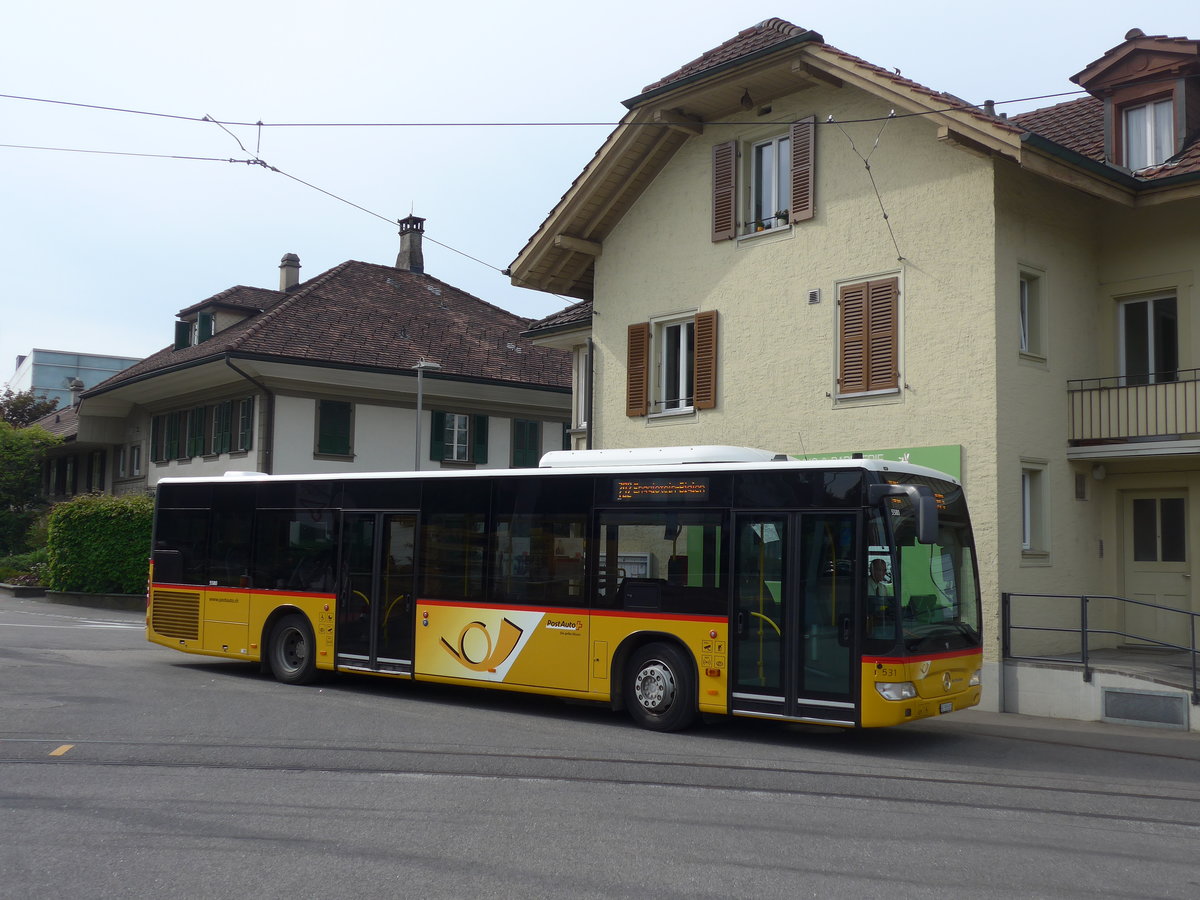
[(292, 651), (660, 688)]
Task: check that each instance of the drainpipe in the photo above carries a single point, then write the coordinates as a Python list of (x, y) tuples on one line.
[(587, 401), (268, 451)]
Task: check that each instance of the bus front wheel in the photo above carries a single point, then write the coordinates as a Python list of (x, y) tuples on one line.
[(660, 688), (292, 651)]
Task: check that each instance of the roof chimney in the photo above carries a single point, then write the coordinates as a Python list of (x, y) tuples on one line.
[(410, 258), (75, 386), (289, 271)]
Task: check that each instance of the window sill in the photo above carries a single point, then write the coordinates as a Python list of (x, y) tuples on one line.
[(1035, 558), (670, 414), (457, 464), (778, 232), (345, 457), (1035, 358), (867, 398)]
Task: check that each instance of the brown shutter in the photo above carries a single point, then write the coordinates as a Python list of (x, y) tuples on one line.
[(704, 392), (869, 335), (636, 373), (883, 334), (724, 220), (852, 373), (803, 144)]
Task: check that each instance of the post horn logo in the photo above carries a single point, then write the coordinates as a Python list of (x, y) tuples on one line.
[(492, 656)]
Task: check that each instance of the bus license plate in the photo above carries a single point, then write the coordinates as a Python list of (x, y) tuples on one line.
[(946, 707)]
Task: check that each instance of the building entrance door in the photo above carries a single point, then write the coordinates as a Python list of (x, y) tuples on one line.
[(1156, 567)]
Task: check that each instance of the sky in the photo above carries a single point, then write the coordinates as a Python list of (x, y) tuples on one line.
[(99, 250)]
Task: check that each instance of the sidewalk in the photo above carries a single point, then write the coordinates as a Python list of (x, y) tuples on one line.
[(131, 602)]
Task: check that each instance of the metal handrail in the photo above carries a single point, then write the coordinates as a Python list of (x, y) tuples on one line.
[(1008, 627)]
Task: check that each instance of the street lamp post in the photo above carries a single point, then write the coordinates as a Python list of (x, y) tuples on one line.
[(421, 366)]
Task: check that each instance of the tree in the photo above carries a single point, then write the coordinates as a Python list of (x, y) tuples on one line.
[(21, 451), (24, 407)]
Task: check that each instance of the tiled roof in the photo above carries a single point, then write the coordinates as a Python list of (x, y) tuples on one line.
[(63, 422), (577, 314), (1079, 125), (381, 318), (775, 31), (750, 40), (238, 297)]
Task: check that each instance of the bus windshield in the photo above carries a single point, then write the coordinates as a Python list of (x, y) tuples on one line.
[(936, 585)]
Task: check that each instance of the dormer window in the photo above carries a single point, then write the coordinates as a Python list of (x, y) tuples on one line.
[(1149, 134), (189, 333)]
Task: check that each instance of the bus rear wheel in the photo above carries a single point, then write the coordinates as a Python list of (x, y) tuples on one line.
[(660, 688), (292, 651)]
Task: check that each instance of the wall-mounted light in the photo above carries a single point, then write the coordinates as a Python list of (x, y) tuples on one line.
[(1099, 472), (746, 101)]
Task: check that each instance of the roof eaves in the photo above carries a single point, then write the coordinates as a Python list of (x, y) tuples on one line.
[(807, 37), (154, 373), (1116, 176)]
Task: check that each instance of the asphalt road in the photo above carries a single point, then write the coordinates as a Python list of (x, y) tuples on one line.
[(128, 770)]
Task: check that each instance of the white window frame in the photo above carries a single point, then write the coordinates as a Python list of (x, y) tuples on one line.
[(1034, 515), (457, 424), (121, 465), (135, 460), (1149, 133), (1031, 337), (580, 382), (1153, 365), (673, 348), (779, 186)]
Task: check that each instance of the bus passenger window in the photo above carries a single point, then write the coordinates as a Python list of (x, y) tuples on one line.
[(666, 560)]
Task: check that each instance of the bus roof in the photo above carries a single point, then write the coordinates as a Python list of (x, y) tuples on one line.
[(638, 460)]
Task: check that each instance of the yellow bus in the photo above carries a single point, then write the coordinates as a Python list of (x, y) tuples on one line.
[(669, 582)]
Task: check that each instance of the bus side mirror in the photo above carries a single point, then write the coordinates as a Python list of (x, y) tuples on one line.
[(920, 496)]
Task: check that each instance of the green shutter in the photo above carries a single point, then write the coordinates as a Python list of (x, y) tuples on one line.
[(479, 440), (246, 423), (333, 427), (171, 444), (222, 440), (183, 335), (437, 435), (156, 439), (526, 443), (204, 327), (195, 435)]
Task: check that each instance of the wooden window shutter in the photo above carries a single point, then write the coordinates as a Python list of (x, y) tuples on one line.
[(869, 334), (704, 394), (637, 374), (724, 218), (183, 335), (437, 435), (883, 334), (479, 439), (205, 323), (803, 144)]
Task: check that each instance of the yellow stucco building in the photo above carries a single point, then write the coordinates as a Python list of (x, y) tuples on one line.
[(785, 246)]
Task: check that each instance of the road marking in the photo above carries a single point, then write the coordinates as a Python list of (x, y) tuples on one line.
[(61, 751)]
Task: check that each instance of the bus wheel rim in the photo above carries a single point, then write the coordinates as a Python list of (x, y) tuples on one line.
[(654, 686), (293, 650)]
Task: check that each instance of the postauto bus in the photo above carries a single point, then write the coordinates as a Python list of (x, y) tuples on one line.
[(667, 582)]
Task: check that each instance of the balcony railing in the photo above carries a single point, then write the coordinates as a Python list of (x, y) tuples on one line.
[(1164, 405)]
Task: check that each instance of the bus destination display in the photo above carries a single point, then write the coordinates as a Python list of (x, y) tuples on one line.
[(664, 489)]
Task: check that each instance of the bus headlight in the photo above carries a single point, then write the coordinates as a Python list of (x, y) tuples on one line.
[(896, 690), (974, 680)]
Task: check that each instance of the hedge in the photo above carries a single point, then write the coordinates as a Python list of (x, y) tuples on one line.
[(100, 544)]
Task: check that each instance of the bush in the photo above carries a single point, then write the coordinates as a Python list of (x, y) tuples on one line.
[(28, 568), (100, 544)]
